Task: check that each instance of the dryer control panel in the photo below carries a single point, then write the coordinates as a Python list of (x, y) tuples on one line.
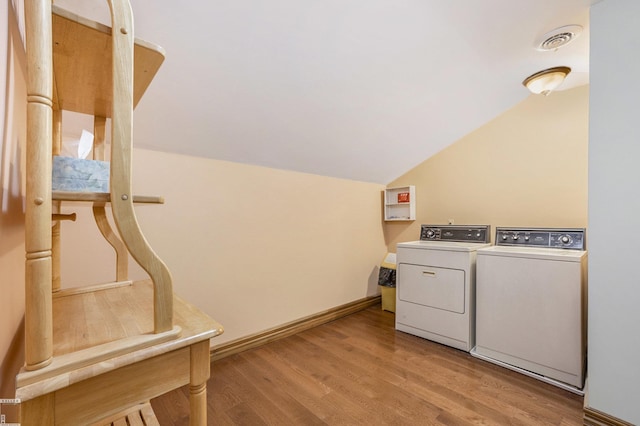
[(559, 238), (456, 233)]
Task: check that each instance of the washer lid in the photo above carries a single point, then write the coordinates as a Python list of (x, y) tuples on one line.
[(534, 253)]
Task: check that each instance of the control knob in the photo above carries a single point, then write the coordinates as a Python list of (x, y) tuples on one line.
[(565, 239), (504, 237), (515, 237), (430, 233)]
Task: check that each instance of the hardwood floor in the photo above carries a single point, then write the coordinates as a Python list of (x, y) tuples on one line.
[(358, 370)]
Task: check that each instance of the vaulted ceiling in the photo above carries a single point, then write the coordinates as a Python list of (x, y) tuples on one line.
[(355, 89)]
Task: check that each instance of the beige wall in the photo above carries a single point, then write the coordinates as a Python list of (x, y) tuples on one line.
[(12, 137), (251, 246), (527, 167)]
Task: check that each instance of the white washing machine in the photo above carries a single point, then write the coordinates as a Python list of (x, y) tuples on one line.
[(531, 304), (435, 283)]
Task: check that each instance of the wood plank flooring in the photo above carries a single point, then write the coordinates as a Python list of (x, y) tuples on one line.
[(358, 370)]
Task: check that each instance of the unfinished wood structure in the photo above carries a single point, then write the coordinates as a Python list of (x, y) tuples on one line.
[(97, 354)]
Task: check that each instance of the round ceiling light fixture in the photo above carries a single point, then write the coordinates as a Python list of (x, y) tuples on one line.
[(545, 81), (557, 38)]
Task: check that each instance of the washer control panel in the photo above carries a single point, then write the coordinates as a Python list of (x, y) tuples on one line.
[(456, 233), (573, 238)]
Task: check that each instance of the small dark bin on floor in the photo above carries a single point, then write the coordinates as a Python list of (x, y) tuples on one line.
[(387, 282)]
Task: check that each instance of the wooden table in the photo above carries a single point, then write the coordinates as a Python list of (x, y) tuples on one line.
[(107, 358)]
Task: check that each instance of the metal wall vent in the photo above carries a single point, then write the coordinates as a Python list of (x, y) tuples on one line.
[(559, 37)]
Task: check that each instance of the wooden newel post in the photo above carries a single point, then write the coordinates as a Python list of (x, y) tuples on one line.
[(38, 266)]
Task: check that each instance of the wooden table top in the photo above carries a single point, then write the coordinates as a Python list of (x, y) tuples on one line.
[(106, 328)]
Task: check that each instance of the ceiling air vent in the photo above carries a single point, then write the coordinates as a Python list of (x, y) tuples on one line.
[(557, 38)]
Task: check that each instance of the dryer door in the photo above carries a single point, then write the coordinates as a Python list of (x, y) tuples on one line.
[(439, 288)]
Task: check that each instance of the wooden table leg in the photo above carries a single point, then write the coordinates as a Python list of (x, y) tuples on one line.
[(200, 371)]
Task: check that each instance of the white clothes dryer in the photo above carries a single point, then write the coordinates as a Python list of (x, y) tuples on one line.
[(435, 294), (531, 304)]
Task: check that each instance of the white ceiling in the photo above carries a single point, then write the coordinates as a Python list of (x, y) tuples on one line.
[(356, 89)]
